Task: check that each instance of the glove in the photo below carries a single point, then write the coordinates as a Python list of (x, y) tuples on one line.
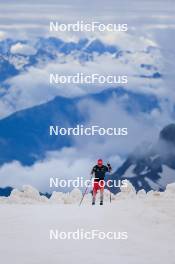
[(108, 164)]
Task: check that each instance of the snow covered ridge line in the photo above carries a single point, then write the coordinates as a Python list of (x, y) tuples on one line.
[(30, 195)]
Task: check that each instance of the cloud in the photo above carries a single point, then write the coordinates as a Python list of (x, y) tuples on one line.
[(3, 35), (127, 41), (140, 127), (24, 49), (32, 87), (66, 164)]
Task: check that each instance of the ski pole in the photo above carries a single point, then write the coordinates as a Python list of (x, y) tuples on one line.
[(110, 196), (85, 192)]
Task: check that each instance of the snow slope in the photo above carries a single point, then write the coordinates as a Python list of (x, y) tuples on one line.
[(149, 220)]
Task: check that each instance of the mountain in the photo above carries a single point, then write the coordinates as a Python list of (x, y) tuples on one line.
[(6, 69), (151, 166), (49, 49), (5, 191), (24, 136), (54, 49)]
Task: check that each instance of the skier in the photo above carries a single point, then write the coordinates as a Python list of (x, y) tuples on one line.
[(99, 170)]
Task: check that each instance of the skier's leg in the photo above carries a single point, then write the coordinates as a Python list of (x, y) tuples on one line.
[(93, 197), (95, 188)]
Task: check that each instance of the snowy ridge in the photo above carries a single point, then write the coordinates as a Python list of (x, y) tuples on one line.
[(30, 195), (151, 165), (26, 68), (21, 55)]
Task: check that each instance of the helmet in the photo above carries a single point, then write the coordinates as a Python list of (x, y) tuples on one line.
[(100, 162)]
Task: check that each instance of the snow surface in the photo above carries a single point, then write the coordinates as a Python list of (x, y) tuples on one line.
[(148, 218)]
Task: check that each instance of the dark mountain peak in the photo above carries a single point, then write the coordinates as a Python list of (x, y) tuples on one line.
[(6, 191), (168, 133), (151, 166), (51, 42)]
